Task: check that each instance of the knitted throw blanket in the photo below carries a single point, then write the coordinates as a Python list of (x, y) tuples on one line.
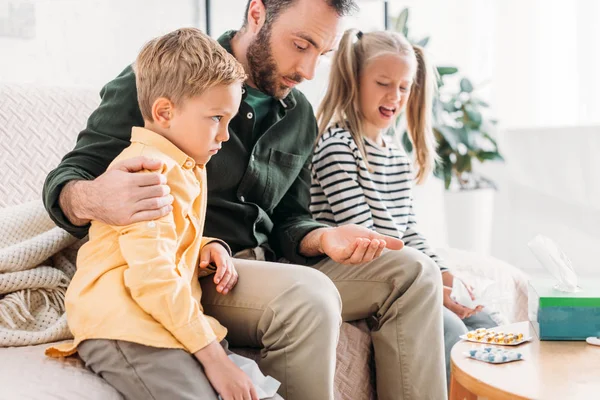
[(37, 261)]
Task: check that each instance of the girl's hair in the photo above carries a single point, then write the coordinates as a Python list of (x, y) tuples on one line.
[(341, 102)]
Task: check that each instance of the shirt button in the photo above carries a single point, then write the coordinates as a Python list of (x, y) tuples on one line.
[(151, 224), (242, 198), (243, 90), (249, 115), (188, 164)]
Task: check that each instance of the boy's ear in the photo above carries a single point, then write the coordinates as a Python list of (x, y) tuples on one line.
[(162, 111)]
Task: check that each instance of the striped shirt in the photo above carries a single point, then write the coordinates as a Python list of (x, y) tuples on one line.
[(343, 191)]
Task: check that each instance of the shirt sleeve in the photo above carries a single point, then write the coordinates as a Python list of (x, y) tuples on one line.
[(107, 133), (335, 181), (414, 239), (158, 287)]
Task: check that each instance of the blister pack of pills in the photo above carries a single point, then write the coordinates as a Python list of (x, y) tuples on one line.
[(494, 355), (495, 337)]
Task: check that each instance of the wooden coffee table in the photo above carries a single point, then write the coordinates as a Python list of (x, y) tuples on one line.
[(549, 370)]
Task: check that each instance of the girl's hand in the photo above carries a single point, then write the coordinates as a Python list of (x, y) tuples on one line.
[(448, 280), (226, 276), (462, 311)]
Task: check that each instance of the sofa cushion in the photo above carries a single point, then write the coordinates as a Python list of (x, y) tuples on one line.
[(26, 373)]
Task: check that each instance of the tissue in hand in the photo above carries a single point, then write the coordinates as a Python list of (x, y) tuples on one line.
[(565, 310), (460, 294)]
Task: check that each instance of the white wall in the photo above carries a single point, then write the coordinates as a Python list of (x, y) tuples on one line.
[(88, 42), (551, 186), (541, 57)]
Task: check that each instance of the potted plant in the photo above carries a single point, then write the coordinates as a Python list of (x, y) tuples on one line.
[(465, 136)]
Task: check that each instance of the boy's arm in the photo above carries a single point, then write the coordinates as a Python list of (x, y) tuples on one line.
[(107, 133), (152, 277)]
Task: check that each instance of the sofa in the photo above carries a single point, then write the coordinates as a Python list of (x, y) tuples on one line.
[(38, 125)]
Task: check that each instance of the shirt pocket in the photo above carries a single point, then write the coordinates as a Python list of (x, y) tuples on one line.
[(283, 170)]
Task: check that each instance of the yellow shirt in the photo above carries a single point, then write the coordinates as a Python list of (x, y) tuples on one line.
[(139, 283)]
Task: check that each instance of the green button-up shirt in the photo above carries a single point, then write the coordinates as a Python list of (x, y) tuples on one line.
[(257, 195)]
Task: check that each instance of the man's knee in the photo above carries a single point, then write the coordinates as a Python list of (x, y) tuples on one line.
[(420, 267), (314, 299), (321, 298)]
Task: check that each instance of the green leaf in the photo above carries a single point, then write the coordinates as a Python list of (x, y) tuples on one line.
[(449, 106), (423, 42), (489, 156), (474, 116), (463, 163), (448, 134), (480, 102), (408, 146), (491, 139), (447, 175), (447, 70), (401, 22), (466, 85), (462, 134)]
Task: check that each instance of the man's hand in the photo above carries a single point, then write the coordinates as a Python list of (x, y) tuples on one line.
[(354, 244), (462, 311), (225, 377), (119, 196), (226, 276)]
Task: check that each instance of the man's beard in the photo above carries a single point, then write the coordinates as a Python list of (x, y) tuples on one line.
[(263, 68)]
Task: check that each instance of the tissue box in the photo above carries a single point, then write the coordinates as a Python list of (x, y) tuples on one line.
[(557, 315)]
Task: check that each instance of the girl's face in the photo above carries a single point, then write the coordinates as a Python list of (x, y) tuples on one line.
[(384, 89)]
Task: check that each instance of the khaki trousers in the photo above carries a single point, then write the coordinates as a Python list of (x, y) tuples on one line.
[(293, 313)]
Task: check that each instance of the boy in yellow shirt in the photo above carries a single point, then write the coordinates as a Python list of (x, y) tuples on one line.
[(133, 305)]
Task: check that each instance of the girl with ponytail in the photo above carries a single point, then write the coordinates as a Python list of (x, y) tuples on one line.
[(359, 175)]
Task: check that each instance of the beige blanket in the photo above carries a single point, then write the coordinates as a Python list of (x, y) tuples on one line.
[(37, 261)]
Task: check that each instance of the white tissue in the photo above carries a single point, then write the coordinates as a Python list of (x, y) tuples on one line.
[(460, 294), (556, 262), (265, 386)]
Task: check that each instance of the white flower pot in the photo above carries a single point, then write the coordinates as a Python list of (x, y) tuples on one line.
[(469, 217)]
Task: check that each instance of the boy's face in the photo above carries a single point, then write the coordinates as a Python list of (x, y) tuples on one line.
[(199, 125)]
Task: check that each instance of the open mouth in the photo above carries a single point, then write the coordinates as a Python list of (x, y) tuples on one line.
[(387, 112)]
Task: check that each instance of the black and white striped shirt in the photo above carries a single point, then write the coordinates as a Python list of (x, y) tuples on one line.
[(343, 191)]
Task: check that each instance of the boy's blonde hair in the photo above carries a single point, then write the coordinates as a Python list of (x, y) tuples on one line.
[(180, 65), (341, 102)]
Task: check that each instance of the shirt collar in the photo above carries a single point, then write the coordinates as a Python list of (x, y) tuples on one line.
[(288, 103), (153, 139)]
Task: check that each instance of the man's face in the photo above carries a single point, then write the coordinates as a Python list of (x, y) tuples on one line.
[(286, 52)]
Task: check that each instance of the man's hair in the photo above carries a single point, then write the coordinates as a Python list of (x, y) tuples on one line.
[(180, 65), (275, 7)]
